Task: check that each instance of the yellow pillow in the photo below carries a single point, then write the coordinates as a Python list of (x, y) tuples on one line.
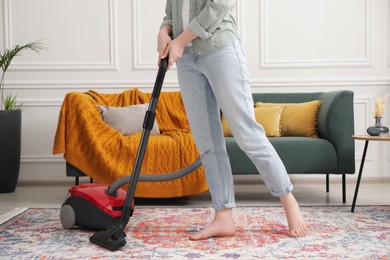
[(268, 117), (227, 132), (298, 119)]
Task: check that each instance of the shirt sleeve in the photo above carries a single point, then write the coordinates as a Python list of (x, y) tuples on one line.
[(167, 20), (208, 20)]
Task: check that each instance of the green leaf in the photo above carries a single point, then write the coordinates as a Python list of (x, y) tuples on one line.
[(5, 61), (8, 55), (10, 103)]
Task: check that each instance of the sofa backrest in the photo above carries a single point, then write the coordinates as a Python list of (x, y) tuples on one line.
[(335, 119), (339, 103), (286, 97)]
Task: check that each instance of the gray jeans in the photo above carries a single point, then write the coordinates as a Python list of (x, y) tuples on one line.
[(220, 80)]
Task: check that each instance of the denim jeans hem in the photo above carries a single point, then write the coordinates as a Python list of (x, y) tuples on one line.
[(283, 193), (226, 206)]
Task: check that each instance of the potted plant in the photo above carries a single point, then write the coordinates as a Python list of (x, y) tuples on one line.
[(11, 122)]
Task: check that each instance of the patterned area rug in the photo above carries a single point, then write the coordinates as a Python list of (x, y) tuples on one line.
[(162, 233)]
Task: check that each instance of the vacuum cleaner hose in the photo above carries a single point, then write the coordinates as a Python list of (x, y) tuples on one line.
[(156, 177)]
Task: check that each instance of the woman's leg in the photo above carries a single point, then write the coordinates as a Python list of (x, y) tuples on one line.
[(228, 75), (204, 117)]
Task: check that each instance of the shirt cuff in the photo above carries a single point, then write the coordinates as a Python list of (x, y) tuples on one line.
[(198, 30)]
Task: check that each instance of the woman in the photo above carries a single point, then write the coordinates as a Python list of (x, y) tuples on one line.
[(200, 36)]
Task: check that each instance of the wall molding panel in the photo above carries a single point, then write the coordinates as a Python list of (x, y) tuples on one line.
[(110, 64), (362, 103), (316, 83), (138, 64), (169, 83), (388, 35), (268, 62), (43, 103), (138, 34), (72, 85)]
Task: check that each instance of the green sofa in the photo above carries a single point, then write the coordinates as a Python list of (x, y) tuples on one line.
[(332, 153)]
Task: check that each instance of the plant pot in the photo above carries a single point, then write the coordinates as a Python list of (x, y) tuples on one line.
[(10, 143)]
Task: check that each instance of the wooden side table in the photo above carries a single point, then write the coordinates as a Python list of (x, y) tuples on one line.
[(366, 138)]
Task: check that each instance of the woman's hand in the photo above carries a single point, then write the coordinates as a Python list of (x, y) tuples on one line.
[(173, 48), (163, 40)]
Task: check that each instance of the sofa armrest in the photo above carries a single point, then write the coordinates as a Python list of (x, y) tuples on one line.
[(336, 124)]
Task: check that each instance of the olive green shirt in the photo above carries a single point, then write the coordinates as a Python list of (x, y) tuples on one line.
[(210, 20)]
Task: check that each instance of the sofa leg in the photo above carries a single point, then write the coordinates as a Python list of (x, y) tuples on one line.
[(327, 183), (344, 188), (76, 181)]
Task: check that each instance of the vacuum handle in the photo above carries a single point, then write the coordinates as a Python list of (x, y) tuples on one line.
[(147, 127), (164, 63), (150, 114), (160, 78)]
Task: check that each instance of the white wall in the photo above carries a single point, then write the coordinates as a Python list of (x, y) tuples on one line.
[(110, 45)]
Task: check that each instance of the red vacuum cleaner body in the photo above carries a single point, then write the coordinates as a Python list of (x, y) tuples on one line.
[(90, 206)]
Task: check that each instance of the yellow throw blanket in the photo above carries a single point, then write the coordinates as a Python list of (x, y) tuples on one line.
[(105, 155)]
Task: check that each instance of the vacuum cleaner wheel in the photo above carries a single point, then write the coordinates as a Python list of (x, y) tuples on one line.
[(67, 216)]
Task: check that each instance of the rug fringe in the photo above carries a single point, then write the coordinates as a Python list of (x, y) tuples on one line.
[(9, 215)]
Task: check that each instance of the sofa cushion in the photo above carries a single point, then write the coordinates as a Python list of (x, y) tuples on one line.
[(128, 120), (299, 155), (298, 119), (268, 117)]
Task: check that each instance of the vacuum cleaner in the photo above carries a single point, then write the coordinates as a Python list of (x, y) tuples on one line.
[(108, 209)]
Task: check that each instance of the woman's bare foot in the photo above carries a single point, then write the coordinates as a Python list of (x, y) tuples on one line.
[(222, 226), (296, 224)]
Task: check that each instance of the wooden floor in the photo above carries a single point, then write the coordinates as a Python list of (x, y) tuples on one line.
[(250, 191)]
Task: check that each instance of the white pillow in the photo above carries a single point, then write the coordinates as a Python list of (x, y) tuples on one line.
[(128, 120)]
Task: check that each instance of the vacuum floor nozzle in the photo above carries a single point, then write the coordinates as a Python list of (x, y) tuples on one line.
[(112, 239)]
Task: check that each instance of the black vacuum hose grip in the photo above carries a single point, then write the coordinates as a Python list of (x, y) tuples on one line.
[(164, 63)]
